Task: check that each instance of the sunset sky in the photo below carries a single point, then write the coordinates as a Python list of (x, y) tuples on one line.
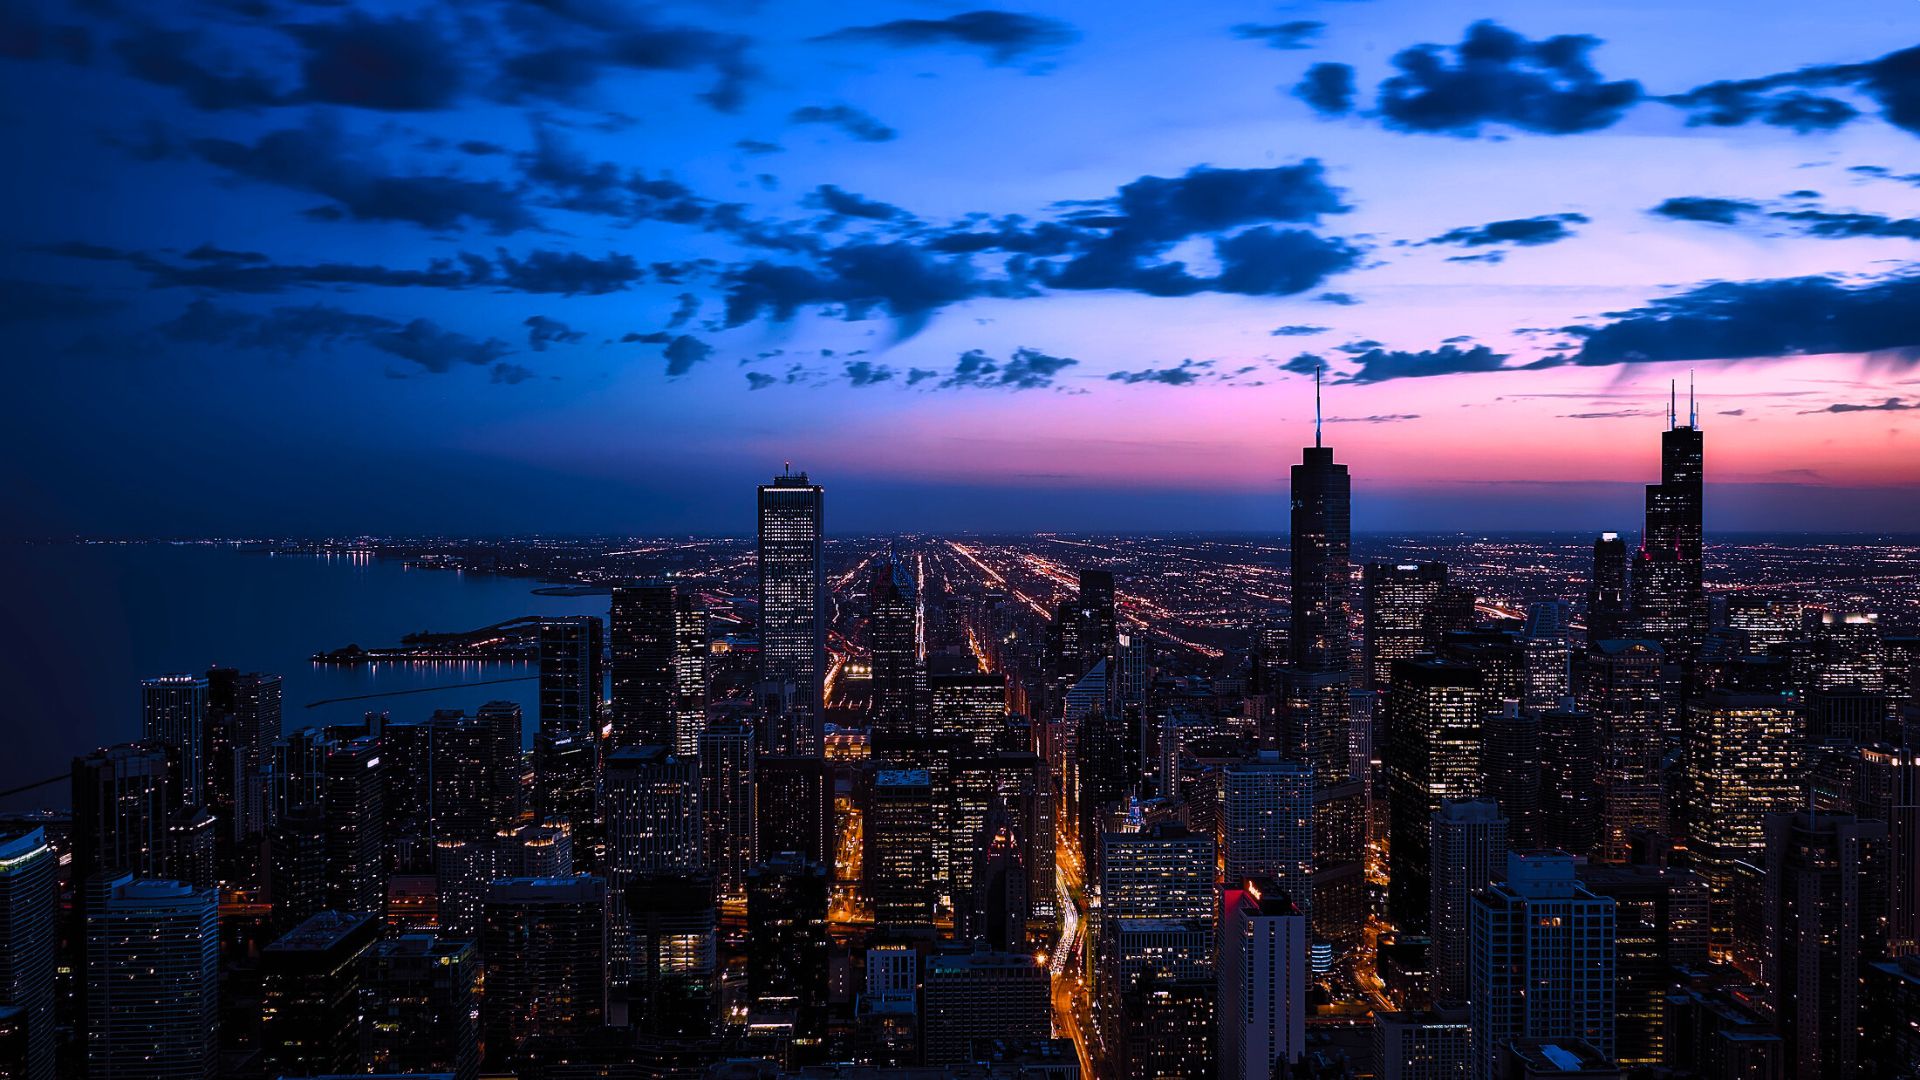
[(495, 266)]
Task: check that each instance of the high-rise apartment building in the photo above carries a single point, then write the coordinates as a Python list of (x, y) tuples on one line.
[(1542, 960), (174, 714), (1469, 852), (29, 896), (1263, 981), (1266, 809), (152, 980)]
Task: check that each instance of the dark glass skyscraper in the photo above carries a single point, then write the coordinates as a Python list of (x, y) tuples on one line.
[(174, 711), (640, 640), (1607, 589), (793, 596), (894, 643), (1322, 537), (1669, 599), (1401, 617)]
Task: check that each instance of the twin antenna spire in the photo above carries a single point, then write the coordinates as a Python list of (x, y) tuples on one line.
[(1317, 368), (1673, 404)]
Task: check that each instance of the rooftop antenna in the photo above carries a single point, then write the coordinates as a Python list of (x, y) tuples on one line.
[(1693, 409), (1673, 403), (1316, 404)]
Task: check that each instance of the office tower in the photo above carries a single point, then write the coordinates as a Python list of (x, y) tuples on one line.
[(1660, 924), (979, 997), (1743, 763), (1570, 744), (1400, 621), (462, 870), (1313, 721), (1263, 981), (311, 1012), (1847, 714), (893, 636), (1627, 694), (121, 799), (1719, 1033), (545, 945), (993, 902), (899, 861), (653, 820), (1431, 1044), (673, 977), (356, 826), (1542, 963), (1469, 851), (794, 797), (1825, 919), (1850, 651), (793, 598), (152, 980), (297, 880), (1549, 657), (787, 948), (727, 805), (1432, 754), (640, 639), (1267, 817), (1339, 908), (570, 677), (1133, 663), (690, 653), (1607, 603), (1099, 618), (1765, 620), (1892, 987), (174, 713), (192, 847), (566, 768), (1165, 870), (506, 764), (423, 1006), (1168, 1027), (1321, 538), (243, 720), (29, 894), (566, 748), (1511, 760), (1022, 785), (1669, 599), (970, 710)]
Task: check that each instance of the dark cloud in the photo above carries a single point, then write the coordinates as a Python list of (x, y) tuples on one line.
[(437, 349), (1185, 373), (915, 376), (1892, 404), (317, 159), (1297, 34), (1328, 88), (1733, 412), (1785, 100), (479, 147), (37, 301), (1768, 318), (758, 146), (1544, 229), (1304, 364), (1615, 414), (835, 201), (396, 64), (1702, 208), (1338, 299), (1379, 418), (571, 44), (654, 337), (1498, 77), (567, 273), (569, 180), (863, 373), (1298, 330), (1028, 369), (1881, 172), (683, 352), (24, 35), (177, 59), (898, 278), (1379, 365), (847, 118), (543, 331), (759, 380), (1834, 225), (510, 374), (286, 330), (1004, 36), (685, 309)]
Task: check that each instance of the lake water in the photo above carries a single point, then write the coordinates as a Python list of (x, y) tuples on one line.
[(80, 625)]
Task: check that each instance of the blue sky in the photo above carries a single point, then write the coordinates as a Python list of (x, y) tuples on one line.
[(584, 265)]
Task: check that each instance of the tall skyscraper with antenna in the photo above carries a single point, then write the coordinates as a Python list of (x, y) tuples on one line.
[(793, 598), (1669, 597), (1322, 537)]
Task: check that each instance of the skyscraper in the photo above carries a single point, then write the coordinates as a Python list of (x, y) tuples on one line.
[(1400, 621), (1549, 675), (1433, 753), (1163, 871), (899, 861), (566, 748), (1263, 981), (1660, 925), (641, 643), (1669, 598), (793, 597), (1626, 691), (981, 996), (1542, 960), (29, 893), (1099, 618), (1469, 852), (545, 944), (728, 804), (356, 826), (121, 799), (969, 710), (1267, 819), (174, 712), (1607, 604), (690, 653), (653, 819), (423, 1006), (1321, 537), (893, 636), (787, 937), (312, 1014), (152, 980), (1825, 921), (1743, 763)]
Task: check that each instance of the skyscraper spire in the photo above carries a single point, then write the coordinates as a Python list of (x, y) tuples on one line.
[(1693, 407), (1673, 403), (1316, 403)]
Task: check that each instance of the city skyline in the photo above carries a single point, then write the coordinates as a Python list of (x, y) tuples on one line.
[(976, 268)]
